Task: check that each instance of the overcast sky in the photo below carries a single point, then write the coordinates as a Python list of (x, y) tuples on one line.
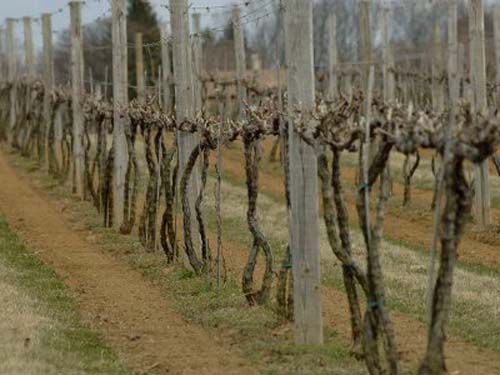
[(90, 11)]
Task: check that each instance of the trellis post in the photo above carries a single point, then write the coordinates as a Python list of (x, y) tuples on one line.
[(478, 75), (166, 70), (139, 67), (29, 61), (496, 31), (120, 101), (387, 57), (76, 97), (2, 54), (241, 64), (11, 75), (332, 90), (437, 71), (304, 230), (366, 43), (256, 66), (184, 98), (453, 79), (197, 63), (29, 49), (48, 81)]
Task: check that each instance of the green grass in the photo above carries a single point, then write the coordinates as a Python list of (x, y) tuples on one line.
[(226, 311), (472, 267), (256, 330), (78, 348), (473, 324), (223, 312)]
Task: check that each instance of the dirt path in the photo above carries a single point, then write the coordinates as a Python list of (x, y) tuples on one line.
[(131, 313), (138, 321)]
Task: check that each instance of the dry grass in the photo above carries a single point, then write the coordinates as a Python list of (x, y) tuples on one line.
[(423, 178), (224, 313), (476, 310), (21, 326), (41, 331)]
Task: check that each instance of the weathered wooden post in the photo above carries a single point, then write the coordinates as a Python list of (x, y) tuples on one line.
[(437, 71), (478, 75), (2, 54), (453, 79), (182, 76), (76, 97), (139, 68), (166, 70), (29, 49), (366, 43), (241, 61), (197, 63), (387, 57), (120, 101), (332, 90), (11, 76), (29, 62), (304, 230), (496, 31), (461, 69), (184, 98), (48, 81), (256, 66)]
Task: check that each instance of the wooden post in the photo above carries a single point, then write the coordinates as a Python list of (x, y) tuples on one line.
[(453, 79), (29, 62), (101, 136), (139, 68), (332, 91), (48, 81), (12, 76), (184, 99), (29, 49), (76, 97), (347, 84), (496, 28), (387, 56), (182, 75), (166, 70), (461, 69), (256, 67), (241, 63), (437, 71), (478, 74), (366, 45), (3, 64), (304, 230), (256, 64), (120, 101), (197, 63), (2, 54)]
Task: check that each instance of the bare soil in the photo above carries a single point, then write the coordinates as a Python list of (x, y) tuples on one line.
[(138, 322)]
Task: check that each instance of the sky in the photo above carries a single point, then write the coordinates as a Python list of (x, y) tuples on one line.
[(90, 11)]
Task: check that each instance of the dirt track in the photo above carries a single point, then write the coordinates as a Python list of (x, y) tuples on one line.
[(139, 322), (133, 316)]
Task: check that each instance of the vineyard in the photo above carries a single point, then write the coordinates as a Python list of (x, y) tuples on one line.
[(359, 188)]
